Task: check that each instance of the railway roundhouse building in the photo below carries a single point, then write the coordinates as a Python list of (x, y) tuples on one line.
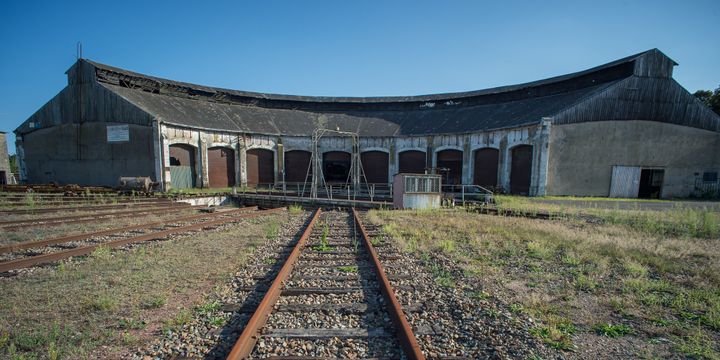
[(626, 128)]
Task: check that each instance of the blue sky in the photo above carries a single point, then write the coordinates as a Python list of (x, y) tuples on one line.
[(351, 48)]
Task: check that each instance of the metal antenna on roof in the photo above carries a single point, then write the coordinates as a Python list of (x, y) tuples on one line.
[(78, 51)]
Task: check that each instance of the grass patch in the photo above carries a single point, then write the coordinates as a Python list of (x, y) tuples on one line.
[(612, 331), (697, 344), (554, 336), (99, 299), (677, 221), (324, 244), (102, 253), (208, 308), (442, 277), (569, 271), (154, 302), (131, 324), (176, 323), (348, 269), (272, 230), (295, 209)]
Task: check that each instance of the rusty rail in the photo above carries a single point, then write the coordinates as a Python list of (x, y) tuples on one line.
[(249, 337), (404, 331), (92, 208), (46, 258), (65, 239)]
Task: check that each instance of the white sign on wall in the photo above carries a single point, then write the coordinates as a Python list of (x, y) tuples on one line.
[(118, 133)]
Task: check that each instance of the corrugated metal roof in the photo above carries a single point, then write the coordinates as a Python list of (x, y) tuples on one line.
[(260, 120), (384, 99)]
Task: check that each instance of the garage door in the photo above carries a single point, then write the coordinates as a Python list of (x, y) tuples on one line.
[(221, 167), (625, 181), (260, 167), (375, 166), (520, 170)]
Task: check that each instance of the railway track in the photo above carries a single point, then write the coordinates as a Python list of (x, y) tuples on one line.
[(330, 298), (61, 248), (43, 210), (14, 225), (7, 202), (118, 230)]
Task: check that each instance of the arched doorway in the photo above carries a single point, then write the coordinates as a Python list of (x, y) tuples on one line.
[(452, 161), (375, 166), (182, 166), (411, 162), (520, 169), (296, 166), (260, 167), (336, 166), (221, 167), (486, 167)]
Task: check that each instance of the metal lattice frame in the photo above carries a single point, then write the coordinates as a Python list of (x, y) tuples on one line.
[(356, 175)]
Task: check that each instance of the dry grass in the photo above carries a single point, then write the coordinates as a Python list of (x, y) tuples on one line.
[(586, 283), (96, 307), (677, 221)]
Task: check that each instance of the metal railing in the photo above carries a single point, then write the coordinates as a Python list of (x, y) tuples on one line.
[(707, 189), (331, 191), (468, 193)]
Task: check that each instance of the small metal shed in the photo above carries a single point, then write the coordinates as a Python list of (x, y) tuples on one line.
[(416, 191)]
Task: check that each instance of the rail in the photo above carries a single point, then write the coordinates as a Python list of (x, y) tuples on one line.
[(402, 327), (249, 337), (325, 253)]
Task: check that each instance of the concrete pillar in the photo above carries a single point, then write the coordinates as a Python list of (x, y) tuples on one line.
[(504, 167), (20, 151), (467, 175), (280, 160), (204, 175), (392, 160), (167, 180), (242, 157), (430, 160), (541, 152), (158, 155), (236, 148)]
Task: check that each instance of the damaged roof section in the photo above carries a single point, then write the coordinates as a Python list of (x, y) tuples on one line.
[(595, 94)]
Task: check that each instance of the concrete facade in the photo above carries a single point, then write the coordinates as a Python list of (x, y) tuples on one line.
[(582, 155), (91, 160), (503, 140)]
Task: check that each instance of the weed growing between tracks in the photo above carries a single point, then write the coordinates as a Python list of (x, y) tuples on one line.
[(612, 289), (108, 303)]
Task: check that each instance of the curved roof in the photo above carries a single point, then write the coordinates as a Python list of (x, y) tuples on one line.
[(110, 73), (637, 87)]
